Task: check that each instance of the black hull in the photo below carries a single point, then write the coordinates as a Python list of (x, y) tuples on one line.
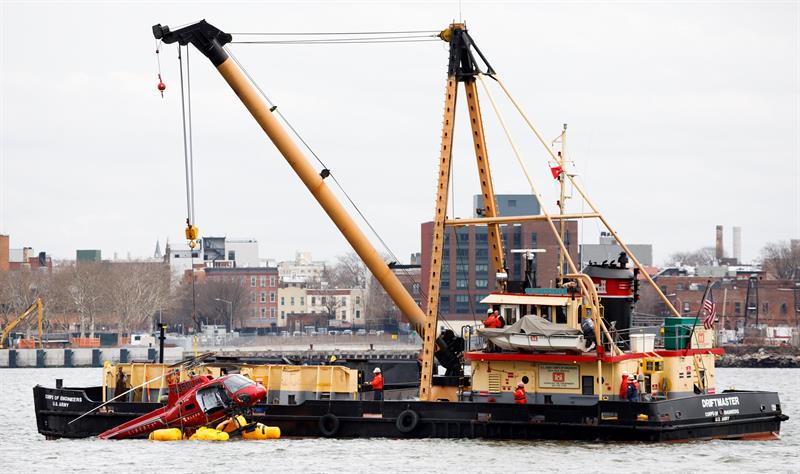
[(736, 415)]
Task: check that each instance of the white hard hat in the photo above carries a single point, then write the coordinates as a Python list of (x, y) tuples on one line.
[(377, 370), (489, 311)]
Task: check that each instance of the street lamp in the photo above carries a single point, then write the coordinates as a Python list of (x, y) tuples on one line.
[(230, 312)]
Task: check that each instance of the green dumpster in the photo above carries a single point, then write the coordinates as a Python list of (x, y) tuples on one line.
[(676, 332)]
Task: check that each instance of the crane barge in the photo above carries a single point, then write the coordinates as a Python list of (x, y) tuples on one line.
[(565, 347)]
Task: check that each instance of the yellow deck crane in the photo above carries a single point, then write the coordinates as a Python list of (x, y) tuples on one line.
[(38, 307), (463, 67)]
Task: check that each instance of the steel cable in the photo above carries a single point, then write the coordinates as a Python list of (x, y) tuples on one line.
[(336, 181)]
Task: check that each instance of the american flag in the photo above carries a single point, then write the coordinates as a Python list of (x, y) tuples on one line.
[(711, 311)]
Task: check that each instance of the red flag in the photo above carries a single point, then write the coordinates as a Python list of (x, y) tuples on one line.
[(556, 170)]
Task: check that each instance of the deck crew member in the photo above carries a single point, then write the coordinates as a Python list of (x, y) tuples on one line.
[(632, 393), (501, 321), (623, 386), (491, 321), (377, 384), (519, 394)]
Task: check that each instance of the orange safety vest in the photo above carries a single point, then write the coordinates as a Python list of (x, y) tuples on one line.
[(519, 396), (377, 382), (491, 322)]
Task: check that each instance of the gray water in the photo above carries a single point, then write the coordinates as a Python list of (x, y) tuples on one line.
[(22, 449)]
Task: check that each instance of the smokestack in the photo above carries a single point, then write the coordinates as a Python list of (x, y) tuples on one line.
[(720, 250), (25, 257), (4, 252), (737, 244)]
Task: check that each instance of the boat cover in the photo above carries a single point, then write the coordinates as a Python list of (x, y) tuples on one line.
[(531, 325)]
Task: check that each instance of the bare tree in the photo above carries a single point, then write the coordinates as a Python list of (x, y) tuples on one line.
[(348, 272), (215, 295), (81, 287), (703, 256), (378, 306), (330, 302), (137, 290), (210, 300), (19, 289), (182, 311), (59, 307), (781, 260)]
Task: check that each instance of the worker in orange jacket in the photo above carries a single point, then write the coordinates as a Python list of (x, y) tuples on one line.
[(491, 322), (377, 384), (519, 394)]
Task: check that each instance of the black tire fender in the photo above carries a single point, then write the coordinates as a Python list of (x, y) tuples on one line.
[(328, 425), (407, 421)]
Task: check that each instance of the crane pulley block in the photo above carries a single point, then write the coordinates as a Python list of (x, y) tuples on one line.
[(192, 233)]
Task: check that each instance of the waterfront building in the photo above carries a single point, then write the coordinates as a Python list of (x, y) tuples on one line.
[(302, 269), (5, 248), (292, 299), (261, 300), (93, 255), (739, 297), (25, 258), (217, 252), (343, 306)]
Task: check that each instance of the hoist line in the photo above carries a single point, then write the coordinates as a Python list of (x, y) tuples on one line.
[(333, 33), (189, 167), (191, 139), (352, 41), (185, 140), (352, 38), (275, 110), (273, 107), (158, 57)]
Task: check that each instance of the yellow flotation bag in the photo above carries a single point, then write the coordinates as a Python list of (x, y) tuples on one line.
[(232, 423), (209, 434), (166, 434), (261, 431)]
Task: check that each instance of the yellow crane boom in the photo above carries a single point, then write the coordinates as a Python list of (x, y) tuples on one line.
[(38, 307), (210, 41)]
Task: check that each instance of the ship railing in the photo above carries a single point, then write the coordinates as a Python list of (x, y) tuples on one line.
[(646, 320), (472, 341), (622, 337)]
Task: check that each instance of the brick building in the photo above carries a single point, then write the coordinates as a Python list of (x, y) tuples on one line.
[(466, 270), (261, 283), (770, 303)]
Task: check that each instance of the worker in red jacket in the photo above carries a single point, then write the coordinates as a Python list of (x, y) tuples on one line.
[(519, 394), (623, 387), (377, 384), (632, 392)]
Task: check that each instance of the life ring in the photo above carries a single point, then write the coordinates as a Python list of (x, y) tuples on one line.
[(328, 425), (407, 421)]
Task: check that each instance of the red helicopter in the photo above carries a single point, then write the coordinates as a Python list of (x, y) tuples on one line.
[(199, 401)]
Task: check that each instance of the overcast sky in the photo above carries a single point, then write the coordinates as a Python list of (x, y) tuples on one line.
[(681, 116)]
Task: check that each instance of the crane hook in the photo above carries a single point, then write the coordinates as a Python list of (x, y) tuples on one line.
[(161, 86)]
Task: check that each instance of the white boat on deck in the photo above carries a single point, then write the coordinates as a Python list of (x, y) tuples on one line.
[(532, 333)]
